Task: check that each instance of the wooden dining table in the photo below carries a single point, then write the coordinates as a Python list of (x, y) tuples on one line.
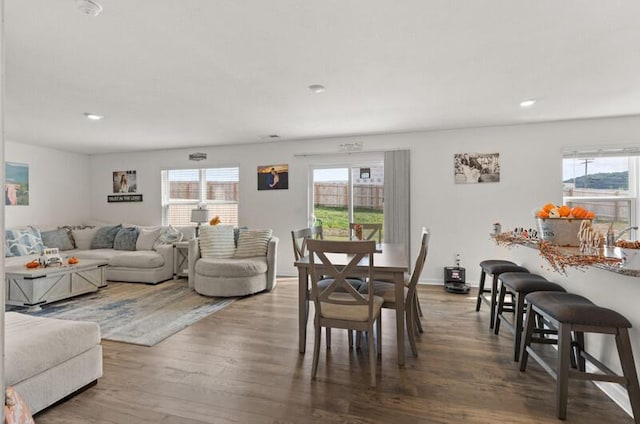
[(390, 264)]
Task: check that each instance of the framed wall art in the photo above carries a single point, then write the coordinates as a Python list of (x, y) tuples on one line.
[(273, 177), (16, 186), (472, 168)]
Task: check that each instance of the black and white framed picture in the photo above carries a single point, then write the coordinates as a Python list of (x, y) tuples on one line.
[(124, 182), (471, 168)]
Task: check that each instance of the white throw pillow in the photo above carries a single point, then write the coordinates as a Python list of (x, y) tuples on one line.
[(253, 243), (216, 241), (83, 237), (147, 238)]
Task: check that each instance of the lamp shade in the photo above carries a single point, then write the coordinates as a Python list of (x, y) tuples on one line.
[(199, 215)]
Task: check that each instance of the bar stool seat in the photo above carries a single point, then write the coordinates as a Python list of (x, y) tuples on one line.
[(493, 267), (518, 284), (573, 313)]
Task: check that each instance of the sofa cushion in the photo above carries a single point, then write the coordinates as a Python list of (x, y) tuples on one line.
[(83, 237), (26, 335), (25, 241), (126, 239), (231, 267), (253, 243), (60, 238), (168, 235), (216, 241), (137, 259), (103, 239), (147, 238), (99, 254)]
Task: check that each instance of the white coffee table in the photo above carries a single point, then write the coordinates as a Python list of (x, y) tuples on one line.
[(33, 287)]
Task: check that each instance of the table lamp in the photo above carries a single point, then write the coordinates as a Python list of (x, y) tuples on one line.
[(199, 216)]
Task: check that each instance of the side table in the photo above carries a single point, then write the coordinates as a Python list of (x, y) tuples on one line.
[(180, 259)]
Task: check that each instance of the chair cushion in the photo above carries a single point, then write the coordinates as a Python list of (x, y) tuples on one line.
[(497, 266), (231, 267), (524, 282), (574, 309), (349, 312), (137, 259), (253, 243), (216, 241), (353, 282), (383, 289)]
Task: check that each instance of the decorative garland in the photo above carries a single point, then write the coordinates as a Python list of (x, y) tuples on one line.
[(559, 261)]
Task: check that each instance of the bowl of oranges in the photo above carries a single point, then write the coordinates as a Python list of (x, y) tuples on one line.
[(560, 225)]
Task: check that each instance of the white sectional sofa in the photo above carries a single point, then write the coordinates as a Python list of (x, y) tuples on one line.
[(150, 265), (49, 359)]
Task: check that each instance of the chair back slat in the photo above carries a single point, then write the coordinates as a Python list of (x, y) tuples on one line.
[(356, 251), (299, 239), (369, 231), (420, 260)]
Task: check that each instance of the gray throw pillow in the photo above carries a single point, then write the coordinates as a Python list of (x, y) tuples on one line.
[(104, 237), (126, 239), (61, 238)]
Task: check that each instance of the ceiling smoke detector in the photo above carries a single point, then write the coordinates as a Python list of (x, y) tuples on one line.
[(89, 7)]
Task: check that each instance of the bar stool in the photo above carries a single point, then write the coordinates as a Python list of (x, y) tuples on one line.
[(494, 267), (572, 313), (519, 284)]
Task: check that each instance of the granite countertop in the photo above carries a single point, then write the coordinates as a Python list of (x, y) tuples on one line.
[(613, 259)]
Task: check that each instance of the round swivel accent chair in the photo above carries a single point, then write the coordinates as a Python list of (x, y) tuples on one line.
[(493, 267)]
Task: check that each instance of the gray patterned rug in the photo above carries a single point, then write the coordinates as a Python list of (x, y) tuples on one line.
[(136, 313)]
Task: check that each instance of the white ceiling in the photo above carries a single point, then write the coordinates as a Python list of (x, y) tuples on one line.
[(184, 73)]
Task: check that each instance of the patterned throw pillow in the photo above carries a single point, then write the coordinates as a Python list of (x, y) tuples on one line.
[(216, 241), (60, 238), (104, 237), (126, 239), (253, 243), (23, 242), (16, 410), (169, 235)]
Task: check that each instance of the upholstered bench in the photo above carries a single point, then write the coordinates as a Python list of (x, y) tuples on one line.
[(49, 359)]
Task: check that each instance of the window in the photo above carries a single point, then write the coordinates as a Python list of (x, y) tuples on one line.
[(604, 181), (214, 188)]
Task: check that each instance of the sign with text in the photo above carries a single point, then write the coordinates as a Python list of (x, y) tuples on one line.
[(124, 198)]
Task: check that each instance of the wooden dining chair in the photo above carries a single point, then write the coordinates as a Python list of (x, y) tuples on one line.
[(299, 238), (387, 291), (369, 231), (339, 304)]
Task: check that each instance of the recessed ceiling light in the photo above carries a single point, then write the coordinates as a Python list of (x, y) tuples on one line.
[(93, 116), (317, 88), (89, 7), (527, 103)]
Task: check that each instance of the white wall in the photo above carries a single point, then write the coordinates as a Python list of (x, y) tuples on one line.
[(58, 187), (460, 216)]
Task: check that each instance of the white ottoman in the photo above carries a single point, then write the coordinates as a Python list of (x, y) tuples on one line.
[(48, 359)]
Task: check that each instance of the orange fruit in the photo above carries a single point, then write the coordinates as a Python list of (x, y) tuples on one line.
[(542, 214), (579, 212), (590, 215), (548, 207)]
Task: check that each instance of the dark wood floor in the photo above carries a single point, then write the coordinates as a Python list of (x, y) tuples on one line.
[(242, 365)]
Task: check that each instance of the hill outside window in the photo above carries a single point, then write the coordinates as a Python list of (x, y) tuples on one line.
[(604, 180), (215, 189)]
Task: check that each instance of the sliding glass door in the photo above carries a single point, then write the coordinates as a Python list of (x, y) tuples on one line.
[(342, 195)]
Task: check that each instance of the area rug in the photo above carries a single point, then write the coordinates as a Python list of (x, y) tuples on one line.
[(137, 313)]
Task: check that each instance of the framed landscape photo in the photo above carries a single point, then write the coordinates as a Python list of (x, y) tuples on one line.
[(16, 186), (472, 168), (273, 177)]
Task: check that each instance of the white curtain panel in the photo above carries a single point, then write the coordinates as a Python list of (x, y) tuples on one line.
[(397, 198)]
